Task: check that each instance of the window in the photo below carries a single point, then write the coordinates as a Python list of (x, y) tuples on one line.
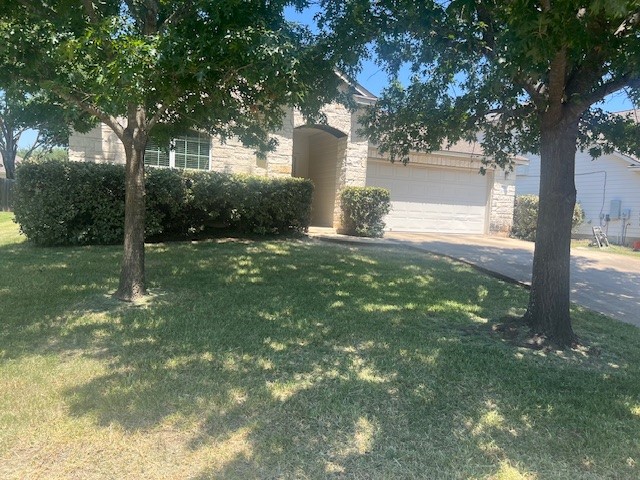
[(191, 151), (155, 155)]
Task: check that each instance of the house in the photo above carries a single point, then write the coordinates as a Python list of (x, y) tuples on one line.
[(608, 190), (437, 192)]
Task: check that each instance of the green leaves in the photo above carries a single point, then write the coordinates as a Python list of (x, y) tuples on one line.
[(227, 66), (73, 203), (364, 209), (488, 66)]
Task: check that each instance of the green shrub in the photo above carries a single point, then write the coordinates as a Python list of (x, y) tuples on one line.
[(277, 205), (64, 203), (166, 196), (70, 203), (363, 210), (208, 204), (525, 217)]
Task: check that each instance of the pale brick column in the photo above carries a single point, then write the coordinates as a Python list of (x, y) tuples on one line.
[(353, 171), (503, 196)]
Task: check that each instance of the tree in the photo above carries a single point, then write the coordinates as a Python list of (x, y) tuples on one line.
[(21, 111), (528, 74), (227, 66)]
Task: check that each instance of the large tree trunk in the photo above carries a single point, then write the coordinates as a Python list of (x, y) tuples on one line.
[(549, 304), (132, 281), (9, 162), (9, 150)]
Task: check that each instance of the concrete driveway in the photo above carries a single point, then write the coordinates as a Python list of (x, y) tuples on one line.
[(602, 281)]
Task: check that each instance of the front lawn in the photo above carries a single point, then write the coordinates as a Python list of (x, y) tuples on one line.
[(293, 359)]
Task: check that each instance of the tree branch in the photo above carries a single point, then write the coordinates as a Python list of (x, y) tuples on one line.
[(37, 142), (177, 14), (607, 89), (90, 109), (534, 91), (627, 26), (18, 134), (91, 11), (157, 116), (558, 77), (150, 26)]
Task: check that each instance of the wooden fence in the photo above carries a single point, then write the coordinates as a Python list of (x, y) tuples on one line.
[(6, 194)]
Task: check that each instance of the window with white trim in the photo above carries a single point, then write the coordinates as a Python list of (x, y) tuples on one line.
[(155, 155), (191, 151)]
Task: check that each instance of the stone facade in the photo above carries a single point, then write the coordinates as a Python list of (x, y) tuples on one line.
[(347, 160), (503, 195), (100, 145)]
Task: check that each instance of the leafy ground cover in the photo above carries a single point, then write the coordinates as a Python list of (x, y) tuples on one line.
[(291, 359)]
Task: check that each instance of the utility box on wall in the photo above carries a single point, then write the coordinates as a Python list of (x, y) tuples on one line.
[(615, 209)]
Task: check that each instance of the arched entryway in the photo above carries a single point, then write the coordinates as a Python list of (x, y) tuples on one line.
[(318, 154)]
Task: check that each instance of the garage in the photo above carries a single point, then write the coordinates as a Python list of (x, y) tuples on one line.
[(432, 199)]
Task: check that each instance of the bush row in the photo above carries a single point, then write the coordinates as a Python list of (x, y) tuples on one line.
[(363, 210), (69, 203), (525, 217)]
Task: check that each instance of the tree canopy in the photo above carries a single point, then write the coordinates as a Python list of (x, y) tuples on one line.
[(527, 74), (495, 67), (21, 111), (224, 66)]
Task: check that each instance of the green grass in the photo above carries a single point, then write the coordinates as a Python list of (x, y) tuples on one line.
[(585, 244), (291, 359)]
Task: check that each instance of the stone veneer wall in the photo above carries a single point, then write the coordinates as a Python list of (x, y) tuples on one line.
[(503, 185), (353, 172), (503, 196), (351, 155), (99, 145), (102, 145)]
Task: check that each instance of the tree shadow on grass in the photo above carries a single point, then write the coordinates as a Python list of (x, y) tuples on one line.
[(283, 359)]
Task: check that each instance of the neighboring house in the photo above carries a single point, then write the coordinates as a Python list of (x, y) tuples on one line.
[(608, 190), (438, 192)]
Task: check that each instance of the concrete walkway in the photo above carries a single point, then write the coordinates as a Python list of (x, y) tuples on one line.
[(604, 282)]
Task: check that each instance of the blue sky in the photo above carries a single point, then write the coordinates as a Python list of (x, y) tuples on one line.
[(373, 78)]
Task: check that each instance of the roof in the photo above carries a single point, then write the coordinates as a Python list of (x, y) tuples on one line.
[(474, 149), (361, 94)]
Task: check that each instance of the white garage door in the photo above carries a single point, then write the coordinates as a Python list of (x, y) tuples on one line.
[(431, 199)]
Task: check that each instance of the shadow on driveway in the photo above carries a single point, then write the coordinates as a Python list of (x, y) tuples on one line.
[(602, 282)]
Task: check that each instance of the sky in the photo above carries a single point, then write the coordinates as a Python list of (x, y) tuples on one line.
[(373, 78)]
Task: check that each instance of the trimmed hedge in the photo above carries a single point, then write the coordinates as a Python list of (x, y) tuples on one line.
[(525, 217), (363, 210), (72, 203)]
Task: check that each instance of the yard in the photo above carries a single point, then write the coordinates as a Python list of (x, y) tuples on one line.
[(586, 244), (293, 359)]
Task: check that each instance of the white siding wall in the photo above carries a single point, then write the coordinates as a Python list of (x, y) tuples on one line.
[(597, 183)]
